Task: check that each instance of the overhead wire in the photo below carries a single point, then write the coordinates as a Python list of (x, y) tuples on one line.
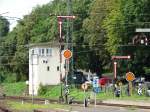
[(51, 43), (97, 13), (14, 64), (76, 52), (129, 24)]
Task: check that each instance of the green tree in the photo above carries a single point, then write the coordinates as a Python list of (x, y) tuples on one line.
[(94, 35), (39, 26), (4, 26), (114, 27), (120, 25), (80, 10)]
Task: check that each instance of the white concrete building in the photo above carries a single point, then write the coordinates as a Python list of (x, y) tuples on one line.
[(44, 66)]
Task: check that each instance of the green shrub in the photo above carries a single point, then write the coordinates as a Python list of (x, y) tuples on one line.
[(42, 90), (10, 78), (50, 91), (7, 77), (53, 91)]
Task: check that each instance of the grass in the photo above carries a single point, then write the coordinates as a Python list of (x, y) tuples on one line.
[(14, 89), (78, 94), (53, 92), (18, 106), (135, 97)]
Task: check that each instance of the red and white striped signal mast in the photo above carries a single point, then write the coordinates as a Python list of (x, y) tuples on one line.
[(60, 18), (114, 58), (60, 21)]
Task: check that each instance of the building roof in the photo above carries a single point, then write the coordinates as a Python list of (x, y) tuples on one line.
[(45, 44)]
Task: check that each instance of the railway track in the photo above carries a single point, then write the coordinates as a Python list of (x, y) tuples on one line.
[(2, 109), (43, 100)]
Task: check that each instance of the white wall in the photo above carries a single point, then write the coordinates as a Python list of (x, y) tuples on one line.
[(40, 73), (33, 71)]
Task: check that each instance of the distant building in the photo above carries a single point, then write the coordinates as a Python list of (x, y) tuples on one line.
[(44, 66)]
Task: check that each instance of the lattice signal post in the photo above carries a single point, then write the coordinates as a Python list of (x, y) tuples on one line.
[(60, 18), (60, 21)]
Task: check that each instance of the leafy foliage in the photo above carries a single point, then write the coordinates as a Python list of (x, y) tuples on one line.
[(4, 26), (100, 29), (39, 26), (120, 25), (94, 36), (49, 91)]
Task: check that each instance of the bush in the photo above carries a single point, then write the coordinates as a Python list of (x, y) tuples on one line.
[(7, 77), (42, 90), (50, 91), (11, 78)]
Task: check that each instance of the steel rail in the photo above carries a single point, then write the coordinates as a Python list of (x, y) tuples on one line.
[(42, 100)]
